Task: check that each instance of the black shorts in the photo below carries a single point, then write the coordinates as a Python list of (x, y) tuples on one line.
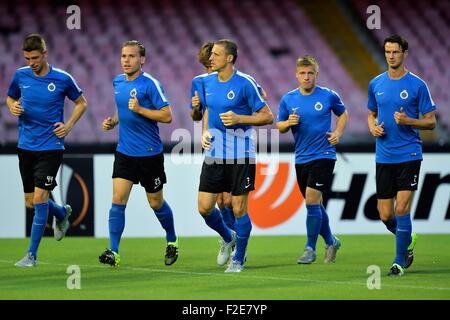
[(148, 171), (316, 174), (394, 177), (39, 168), (237, 178)]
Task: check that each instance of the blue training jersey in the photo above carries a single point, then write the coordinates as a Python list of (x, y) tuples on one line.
[(314, 110), (400, 143), (198, 85), (42, 99), (138, 136), (239, 94)]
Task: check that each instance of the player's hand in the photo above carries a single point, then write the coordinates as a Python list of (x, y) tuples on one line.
[(195, 101), (400, 117), (133, 104), (108, 124), (378, 130), (293, 119), (206, 140), (60, 131), (229, 118), (333, 138), (16, 108)]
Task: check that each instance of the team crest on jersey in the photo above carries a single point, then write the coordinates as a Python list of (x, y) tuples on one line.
[(230, 95), (404, 94), (318, 106), (51, 87), (133, 93)]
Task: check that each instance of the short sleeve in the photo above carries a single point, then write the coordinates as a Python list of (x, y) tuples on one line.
[(73, 91), (14, 89), (337, 105), (156, 94), (283, 113), (426, 103), (371, 101)]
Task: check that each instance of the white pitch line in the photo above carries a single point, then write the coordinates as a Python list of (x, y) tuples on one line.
[(244, 275)]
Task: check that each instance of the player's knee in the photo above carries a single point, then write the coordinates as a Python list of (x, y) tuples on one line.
[(39, 198), (119, 198), (239, 210), (401, 208), (220, 202), (227, 202), (29, 203), (155, 203), (204, 210)]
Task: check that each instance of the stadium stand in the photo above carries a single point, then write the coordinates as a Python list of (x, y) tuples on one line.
[(270, 35)]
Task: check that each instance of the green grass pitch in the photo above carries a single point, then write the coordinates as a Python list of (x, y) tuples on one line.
[(271, 271)]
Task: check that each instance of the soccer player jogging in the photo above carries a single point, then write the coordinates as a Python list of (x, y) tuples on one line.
[(397, 97), (234, 105), (36, 96), (199, 111), (307, 110), (139, 157)]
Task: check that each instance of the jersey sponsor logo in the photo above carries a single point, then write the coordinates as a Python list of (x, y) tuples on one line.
[(116, 92), (25, 87), (293, 109), (279, 201), (318, 106), (133, 93), (380, 93), (51, 87), (230, 95), (49, 181), (404, 94), (208, 94)]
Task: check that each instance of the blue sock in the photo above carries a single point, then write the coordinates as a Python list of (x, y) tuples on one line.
[(402, 238), (165, 217), (243, 229), (228, 217), (391, 225), (325, 230), (215, 221), (56, 210), (313, 224), (38, 227), (116, 225)]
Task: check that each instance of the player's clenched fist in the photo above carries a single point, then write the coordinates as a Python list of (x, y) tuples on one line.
[(133, 104), (108, 124), (293, 119), (16, 109)]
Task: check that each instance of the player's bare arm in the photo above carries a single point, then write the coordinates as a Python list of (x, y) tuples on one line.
[(14, 106), (260, 118), (375, 129), (62, 129), (110, 122), (196, 113), (163, 115), (293, 120), (428, 122), (341, 123)]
